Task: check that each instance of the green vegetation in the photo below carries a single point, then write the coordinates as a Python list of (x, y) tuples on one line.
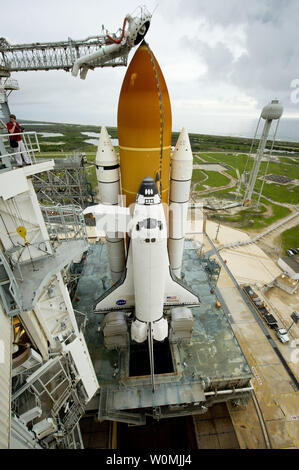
[(232, 152), (199, 142), (92, 176), (276, 192), (280, 193), (198, 176), (72, 136), (215, 179), (252, 219), (290, 160), (290, 238)]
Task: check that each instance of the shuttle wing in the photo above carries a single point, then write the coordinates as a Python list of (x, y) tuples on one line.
[(176, 293), (121, 295)]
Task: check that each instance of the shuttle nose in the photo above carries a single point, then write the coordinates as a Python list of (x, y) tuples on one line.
[(147, 191)]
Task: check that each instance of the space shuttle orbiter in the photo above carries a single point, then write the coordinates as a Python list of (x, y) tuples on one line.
[(147, 285)]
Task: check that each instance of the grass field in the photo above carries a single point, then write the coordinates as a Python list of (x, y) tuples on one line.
[(215, 179), (277, 192), (290, 238), (251, 219), (210, 149)]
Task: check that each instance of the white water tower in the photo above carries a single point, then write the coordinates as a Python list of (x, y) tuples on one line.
[(270, 112)]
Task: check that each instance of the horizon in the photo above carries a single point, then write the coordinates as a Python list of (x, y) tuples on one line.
[(253, 121), (224, 59)]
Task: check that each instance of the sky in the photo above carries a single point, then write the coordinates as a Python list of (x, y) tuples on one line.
[(224, 58)]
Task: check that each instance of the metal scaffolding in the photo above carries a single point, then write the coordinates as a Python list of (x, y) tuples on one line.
[(66, 184), (104, 50), (55, 56), (64, 223)]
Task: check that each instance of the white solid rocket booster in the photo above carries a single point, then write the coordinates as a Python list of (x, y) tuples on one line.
[(108, 176), (180, 181)]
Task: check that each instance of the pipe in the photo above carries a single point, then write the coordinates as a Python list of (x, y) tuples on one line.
[(226, 392), (104, 51)]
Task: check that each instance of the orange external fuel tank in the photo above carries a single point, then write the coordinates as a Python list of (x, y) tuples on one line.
[(144, 125)]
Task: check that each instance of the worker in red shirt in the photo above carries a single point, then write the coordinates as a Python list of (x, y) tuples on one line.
[(16, 142)]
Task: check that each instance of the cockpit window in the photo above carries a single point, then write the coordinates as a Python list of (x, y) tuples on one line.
[(149, 224)]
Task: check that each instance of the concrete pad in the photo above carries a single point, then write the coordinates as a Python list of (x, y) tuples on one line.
[(248, 263), (285, 304), (247, 427), (236, 305), (289, 404), (224, 280), (252, 333), (280, 436), (264, 355), (228, 440), (223, 425), (219, 411), (269, 406), (225, 234), (202, 417), (277, 378), (208, 442), (250, 269), (204, 427)]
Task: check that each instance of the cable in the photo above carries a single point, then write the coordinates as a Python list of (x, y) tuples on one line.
[(118, 41), (162, 118)]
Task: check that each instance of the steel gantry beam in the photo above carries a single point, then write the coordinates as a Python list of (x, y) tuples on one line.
[(55, 56), (104, 50)]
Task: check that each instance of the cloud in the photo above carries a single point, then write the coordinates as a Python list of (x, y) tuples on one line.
[(268, 59), (217, 56)]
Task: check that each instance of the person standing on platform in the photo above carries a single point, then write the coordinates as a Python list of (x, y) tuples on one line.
[(16, 142)]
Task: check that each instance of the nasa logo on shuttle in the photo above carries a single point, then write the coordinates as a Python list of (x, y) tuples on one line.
[(121, 302)]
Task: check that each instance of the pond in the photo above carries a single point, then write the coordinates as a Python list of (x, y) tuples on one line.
[(96, 141), (50, 134)]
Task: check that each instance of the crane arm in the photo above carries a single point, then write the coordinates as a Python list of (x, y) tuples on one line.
[(77, 55)]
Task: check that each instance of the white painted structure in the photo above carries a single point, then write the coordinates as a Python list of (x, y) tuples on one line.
[(108, 176), (115, 47), (290, 265), (33, 292), (148, 284), (180, 181), (5, 377)]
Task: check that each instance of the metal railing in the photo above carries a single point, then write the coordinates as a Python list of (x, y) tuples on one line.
[(9, 289), (31, 146), (65, 223), (55, 56), (11, 84)]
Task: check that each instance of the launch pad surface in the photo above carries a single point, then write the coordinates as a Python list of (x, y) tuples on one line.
[(189, 377)]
